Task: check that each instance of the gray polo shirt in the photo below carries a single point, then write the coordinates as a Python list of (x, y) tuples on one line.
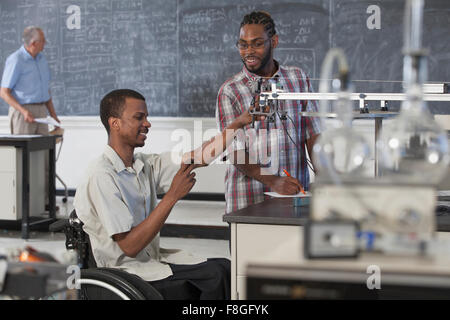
[(113, 199)]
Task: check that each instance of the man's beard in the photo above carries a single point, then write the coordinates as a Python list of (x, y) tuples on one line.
[(265, 60)]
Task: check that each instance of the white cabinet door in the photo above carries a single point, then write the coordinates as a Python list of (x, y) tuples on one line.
[(8, 210), (264, 243), (8, 183), (7, 159)]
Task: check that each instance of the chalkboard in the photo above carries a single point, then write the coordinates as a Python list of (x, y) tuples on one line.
[(178, 53)]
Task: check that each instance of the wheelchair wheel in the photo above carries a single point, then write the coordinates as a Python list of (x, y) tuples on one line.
[(147, 290), (103, 285)]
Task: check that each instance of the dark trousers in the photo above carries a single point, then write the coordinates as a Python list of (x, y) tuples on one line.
[(209, 280)]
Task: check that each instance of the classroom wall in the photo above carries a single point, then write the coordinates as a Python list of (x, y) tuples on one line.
[(85, 139)]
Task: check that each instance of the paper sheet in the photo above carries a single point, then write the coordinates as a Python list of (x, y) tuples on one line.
[(298, 195), (20, 136), (48, 120)]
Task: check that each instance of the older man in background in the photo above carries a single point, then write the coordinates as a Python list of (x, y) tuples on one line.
[(25, 88), (25, 85)]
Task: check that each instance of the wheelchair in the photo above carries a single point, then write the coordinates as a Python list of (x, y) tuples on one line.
[(100, 283)]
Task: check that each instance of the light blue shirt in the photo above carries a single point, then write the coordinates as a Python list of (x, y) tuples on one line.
[(27, 77)]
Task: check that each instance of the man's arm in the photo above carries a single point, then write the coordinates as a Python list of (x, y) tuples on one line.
[(310, 145), (211, 149), (5, 94), (281, 185), (51, 109), (133, 241)]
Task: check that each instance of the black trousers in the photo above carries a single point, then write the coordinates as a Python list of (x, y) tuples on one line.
[(209, 280)]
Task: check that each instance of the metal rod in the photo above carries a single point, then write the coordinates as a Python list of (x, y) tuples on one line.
[(353, 96)]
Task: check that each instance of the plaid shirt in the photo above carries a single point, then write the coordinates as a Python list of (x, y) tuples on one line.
[(268, 145)]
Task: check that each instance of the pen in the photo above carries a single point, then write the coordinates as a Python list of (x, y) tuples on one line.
[(287, 173)]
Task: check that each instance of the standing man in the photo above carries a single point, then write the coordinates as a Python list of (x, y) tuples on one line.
[(246, 181), (25, 85)]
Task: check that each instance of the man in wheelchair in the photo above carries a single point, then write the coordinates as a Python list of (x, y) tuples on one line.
[(117, 204)]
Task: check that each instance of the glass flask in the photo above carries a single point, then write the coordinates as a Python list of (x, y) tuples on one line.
[(341, 152), (413, 148)]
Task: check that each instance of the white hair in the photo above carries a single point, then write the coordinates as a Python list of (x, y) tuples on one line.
[(31, 34)]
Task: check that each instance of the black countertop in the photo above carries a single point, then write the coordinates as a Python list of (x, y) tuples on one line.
[(280, 211)]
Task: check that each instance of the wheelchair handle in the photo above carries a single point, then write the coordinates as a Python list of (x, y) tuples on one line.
[(59, 225)]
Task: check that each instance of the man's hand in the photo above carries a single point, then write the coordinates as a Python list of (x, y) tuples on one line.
[(246, 118), (51, 109), (132, 242), (183, 182), (190, 157), (28, 116), (57, 120), (285, 185), (6, 94), (196, 156)]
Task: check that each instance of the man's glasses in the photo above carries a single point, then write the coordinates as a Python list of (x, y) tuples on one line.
[(257, 44)]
